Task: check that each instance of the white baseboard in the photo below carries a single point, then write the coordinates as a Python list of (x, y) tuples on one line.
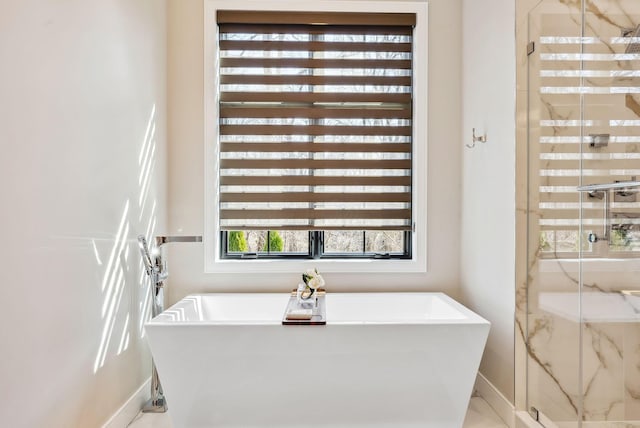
[(498, 402), (131, 407)]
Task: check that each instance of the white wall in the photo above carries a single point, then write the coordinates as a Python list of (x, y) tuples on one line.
[(186, 164), (487, 256), (82, 113)]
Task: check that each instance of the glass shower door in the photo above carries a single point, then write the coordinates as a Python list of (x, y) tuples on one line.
[(583, 323), (553, 335), (610, 263)]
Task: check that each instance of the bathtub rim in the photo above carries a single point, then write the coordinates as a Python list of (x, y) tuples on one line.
[(470, 317)]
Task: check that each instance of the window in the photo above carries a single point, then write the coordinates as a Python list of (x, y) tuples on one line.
[(315, 139)]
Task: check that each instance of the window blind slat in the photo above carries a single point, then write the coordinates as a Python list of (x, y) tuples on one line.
[(304, 214), (279, 45), (319, 63), (315, 197), (271, 79), (316, 112), (314, 164), (317, 147), (313, 130), (310, 180), (317, 97)]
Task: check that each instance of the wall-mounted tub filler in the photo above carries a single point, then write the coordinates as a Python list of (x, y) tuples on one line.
[(156, 268)]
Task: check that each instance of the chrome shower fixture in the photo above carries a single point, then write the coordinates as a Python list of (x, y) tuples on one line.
[(634, 46), (599, 140)]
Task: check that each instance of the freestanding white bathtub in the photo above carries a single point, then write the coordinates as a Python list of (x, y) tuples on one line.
[(383, 360)]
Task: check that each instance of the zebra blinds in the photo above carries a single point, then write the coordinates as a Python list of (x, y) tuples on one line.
[(589, 132), (315, 126)]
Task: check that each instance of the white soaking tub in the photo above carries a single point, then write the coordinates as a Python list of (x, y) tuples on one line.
[(382, 360)]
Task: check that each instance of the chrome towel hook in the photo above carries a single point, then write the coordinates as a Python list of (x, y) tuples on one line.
[(476, 138)]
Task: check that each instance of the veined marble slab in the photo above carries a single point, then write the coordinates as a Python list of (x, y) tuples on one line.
[(596, 307)]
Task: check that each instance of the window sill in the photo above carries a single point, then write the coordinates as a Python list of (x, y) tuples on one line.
[(327, 265)]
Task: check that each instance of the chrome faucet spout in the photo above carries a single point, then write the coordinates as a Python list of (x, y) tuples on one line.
[(160, 240)]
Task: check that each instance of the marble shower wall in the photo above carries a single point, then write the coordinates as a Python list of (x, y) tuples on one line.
[(580, 356)]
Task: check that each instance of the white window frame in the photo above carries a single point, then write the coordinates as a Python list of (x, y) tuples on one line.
[(211, 239)]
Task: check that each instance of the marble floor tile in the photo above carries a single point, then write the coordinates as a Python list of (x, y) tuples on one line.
[(479, 415)]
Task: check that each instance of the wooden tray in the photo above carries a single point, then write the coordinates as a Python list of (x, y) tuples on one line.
[(318, 306)]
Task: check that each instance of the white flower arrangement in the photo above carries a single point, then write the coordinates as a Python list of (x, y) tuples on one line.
[(313, 279)]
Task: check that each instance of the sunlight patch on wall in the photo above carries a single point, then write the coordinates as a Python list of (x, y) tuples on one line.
[(148, 210), (146, 160), (113, 286)]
